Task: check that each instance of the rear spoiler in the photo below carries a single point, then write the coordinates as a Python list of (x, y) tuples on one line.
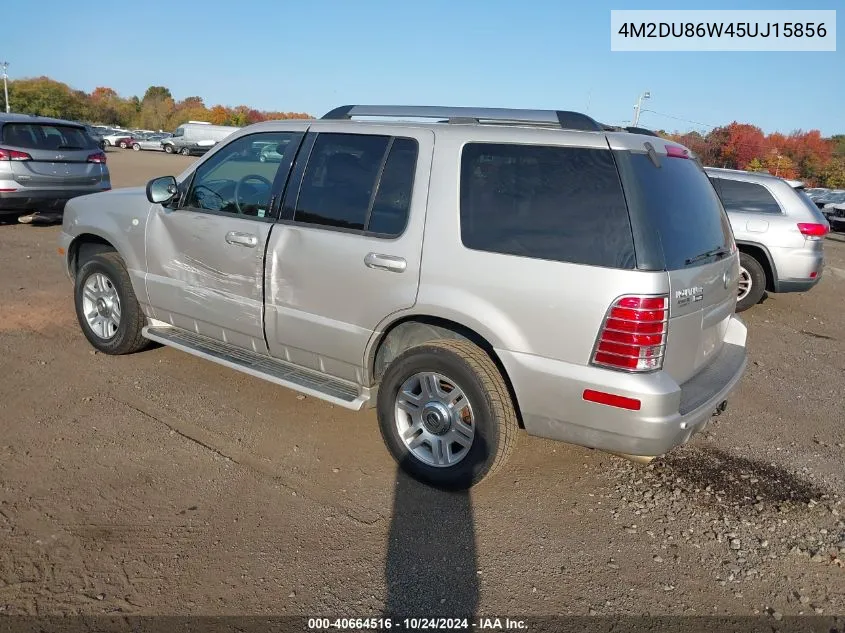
[(796, 184)]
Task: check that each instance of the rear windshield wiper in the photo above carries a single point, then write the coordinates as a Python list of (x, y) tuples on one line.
[(714, 252)]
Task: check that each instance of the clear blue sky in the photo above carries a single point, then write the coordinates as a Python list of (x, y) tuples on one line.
[(312, 55)]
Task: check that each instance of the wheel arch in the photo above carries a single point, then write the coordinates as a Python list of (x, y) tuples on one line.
[(762, 255), (85, 245), (412, 330)]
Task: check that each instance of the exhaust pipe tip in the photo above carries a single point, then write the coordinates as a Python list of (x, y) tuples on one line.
[(721, 408)]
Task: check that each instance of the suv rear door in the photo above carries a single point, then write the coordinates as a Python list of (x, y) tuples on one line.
[(680, 226), (347, 251), (62, 156)]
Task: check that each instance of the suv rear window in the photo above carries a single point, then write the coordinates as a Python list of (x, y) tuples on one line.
[(546, 202), (745, 197), (46, 137), (675, 210)]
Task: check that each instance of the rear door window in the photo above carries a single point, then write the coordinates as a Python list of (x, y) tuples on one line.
[(41, 136), (546, 202), (358, 182), (746, 197), (675, 209)]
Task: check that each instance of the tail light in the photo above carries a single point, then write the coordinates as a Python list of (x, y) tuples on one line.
[(99, 157), (809, 229), (633, 336), (13, 154)]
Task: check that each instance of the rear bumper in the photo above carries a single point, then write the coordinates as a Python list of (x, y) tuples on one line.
[(40, 199), (797, 285), (795, 265), (550, 396)]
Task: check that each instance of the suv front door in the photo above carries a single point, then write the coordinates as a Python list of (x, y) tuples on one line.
[(205, 254), (346, 253)]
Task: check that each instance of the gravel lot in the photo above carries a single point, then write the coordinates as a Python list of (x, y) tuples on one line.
[(163, 484)]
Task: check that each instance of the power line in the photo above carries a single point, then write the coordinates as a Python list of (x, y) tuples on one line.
[(677, 118)]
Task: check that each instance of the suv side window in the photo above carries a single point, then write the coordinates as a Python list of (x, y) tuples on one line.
[(746, 197), (358, 182), (235, 181), (547, 202)]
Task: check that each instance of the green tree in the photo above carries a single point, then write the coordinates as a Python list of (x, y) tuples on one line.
[(755, 164), (47, 97), (833, 173), (158, 93)]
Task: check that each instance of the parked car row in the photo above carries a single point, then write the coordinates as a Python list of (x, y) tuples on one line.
[(190, 139), (831, 202)]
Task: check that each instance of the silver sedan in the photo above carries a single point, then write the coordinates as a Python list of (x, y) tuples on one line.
[(149, 142)]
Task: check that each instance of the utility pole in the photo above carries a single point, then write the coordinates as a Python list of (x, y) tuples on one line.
[(6, 87), (639, 105)]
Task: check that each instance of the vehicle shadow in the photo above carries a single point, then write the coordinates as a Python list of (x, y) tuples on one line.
[(431, 568)]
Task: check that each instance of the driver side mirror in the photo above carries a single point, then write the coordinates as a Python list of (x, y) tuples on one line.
[(162, 190)]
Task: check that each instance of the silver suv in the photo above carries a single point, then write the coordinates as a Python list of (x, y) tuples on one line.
[(45, 162), (490, 270), (779, 231)]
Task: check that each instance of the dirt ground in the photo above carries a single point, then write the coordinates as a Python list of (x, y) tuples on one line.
[(160, 483)]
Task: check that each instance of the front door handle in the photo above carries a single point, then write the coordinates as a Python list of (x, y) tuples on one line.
[(386, 262), (242, 239)]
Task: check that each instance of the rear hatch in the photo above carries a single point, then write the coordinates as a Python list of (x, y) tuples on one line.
[(680, 227), (54, 155)]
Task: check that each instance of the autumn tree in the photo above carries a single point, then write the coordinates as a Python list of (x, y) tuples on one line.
[(218, 115), (744, 142)]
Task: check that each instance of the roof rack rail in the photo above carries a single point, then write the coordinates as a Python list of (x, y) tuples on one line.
[(641, 130), (556, 118)]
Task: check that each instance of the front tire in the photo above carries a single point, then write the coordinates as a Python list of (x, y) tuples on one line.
[(136, 147), (752, 282), (106, 306), (446, 414), (185, 151), (122, 144), (168, 149)]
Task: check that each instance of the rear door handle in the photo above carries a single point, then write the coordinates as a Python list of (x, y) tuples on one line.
[(386, 262), (242, 239)]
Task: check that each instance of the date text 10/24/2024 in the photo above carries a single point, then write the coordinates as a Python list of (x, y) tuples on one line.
[(415, 624)]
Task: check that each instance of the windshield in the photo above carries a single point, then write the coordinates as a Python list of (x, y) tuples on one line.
[(676, 213)]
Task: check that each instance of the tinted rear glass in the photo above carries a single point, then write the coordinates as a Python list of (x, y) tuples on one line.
[(746, 197), (556, 203), (46, 137), (677, 214)]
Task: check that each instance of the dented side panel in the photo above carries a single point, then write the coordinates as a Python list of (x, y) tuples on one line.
[(198, 281)]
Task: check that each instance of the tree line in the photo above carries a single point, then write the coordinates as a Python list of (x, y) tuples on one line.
[(808, 156), (818, 161), (156, 110)]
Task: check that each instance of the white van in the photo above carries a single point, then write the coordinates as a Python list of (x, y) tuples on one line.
[(196, 137)]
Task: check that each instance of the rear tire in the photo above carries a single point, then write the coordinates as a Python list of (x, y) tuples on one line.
[(752, 282), (490, 422), (122, 144), (107, 274), (136, 147), (106, 142)]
